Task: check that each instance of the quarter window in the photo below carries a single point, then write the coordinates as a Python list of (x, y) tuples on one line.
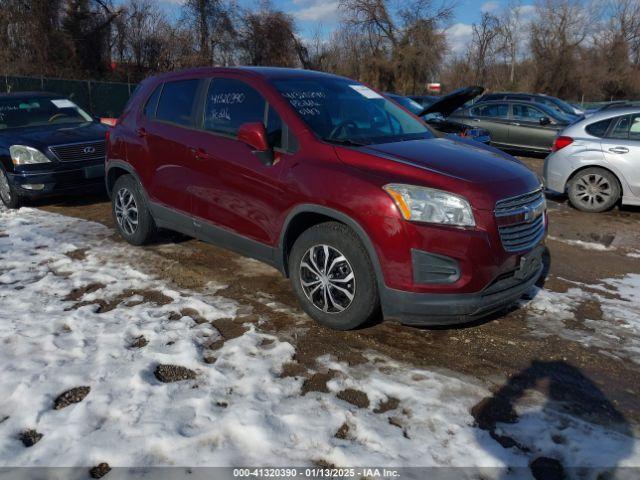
[(230, 103), (177, 102), (152, 103), (274, 128), (598, 129)]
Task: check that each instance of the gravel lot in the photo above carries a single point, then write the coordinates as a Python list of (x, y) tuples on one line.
[(572, 350)]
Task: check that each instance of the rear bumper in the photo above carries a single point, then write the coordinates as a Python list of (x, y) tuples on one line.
[(36, 184), (414, 308), (555, 174)]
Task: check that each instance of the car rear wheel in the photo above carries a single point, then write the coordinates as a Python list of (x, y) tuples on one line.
[(333, 277), (594, 190), (130, 211), (8, 195)]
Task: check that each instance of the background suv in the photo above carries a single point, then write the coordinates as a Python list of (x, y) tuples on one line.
[(597, 160), (339, 188)]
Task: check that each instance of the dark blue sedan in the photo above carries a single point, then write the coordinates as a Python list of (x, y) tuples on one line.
[(48, 145)]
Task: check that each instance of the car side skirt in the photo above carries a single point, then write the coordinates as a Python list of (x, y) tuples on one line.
[(171, 219)]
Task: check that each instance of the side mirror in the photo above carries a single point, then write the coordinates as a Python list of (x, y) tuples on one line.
[(255, 136), (544, 120)]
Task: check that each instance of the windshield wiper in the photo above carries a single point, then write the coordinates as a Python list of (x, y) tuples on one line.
[(345, 141)]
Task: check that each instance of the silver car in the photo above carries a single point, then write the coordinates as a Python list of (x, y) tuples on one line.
[(596, 161)]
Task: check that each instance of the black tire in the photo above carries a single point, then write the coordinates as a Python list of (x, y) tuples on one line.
[(340, 241), (594, 190), (139, 227), (8, 194)]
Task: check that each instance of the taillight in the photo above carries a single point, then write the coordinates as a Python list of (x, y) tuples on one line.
[(561, 142), (108, 121)]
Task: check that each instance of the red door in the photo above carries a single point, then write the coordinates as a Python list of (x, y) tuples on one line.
[(233, 189), (168, 135)]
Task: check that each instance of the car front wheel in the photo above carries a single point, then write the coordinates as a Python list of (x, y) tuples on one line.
[(333, 277), (594, 190), (8, 195)]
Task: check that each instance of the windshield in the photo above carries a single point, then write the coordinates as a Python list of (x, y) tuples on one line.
[(343, 111), (562, 106), (21, 112)]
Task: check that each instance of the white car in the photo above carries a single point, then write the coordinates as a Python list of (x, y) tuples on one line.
[(596, 161)]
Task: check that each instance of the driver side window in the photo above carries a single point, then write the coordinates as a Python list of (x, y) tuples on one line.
[(229, 104), (526, 113)]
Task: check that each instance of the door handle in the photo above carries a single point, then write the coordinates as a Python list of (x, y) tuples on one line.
[(141, 132), (619, 150)]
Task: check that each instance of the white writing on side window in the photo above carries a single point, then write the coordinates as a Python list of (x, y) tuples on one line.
[(230, 98)]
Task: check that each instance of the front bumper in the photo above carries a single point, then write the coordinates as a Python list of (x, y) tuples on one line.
[(58, 180), (414, 308)]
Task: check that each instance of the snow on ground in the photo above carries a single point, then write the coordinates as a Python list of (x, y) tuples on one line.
[(583, 244), (612, 324), (72, 302)]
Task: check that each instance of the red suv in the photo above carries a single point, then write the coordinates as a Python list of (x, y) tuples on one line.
[(353, 198)]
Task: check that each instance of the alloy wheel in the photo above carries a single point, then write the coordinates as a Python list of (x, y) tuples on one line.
[(593, 189), (5, 188), (126, 211), (327, 279)]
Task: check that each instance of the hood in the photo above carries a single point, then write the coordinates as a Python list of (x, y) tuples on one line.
[(43, 137), (450, 103), (483, 172)]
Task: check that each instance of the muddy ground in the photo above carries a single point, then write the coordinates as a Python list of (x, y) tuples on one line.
[(502, 351)]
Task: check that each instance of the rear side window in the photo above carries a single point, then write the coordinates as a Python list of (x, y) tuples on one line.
[(499, 110), (177, 102), (598, 129), (621, 128), (634, 128), (152, 103), (526, 113), (230, 103)]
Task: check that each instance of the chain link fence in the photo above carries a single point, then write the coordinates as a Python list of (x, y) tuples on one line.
[(102, 99)]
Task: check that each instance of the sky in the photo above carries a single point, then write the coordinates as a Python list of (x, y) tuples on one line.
[(322, 16)]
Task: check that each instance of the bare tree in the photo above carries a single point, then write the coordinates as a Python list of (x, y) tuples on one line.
[(403, 47), (88, 23), (484, 45), (268, 38), (510, 36), (557, 33), (211, 23)]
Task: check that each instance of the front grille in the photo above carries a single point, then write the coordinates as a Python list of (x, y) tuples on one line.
[(75, 152), (521, 220)]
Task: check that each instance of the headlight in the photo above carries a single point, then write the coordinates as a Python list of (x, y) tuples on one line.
[(421, 204), (23, 155)]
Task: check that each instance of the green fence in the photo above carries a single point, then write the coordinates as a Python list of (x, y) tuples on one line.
[(102, 99)]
